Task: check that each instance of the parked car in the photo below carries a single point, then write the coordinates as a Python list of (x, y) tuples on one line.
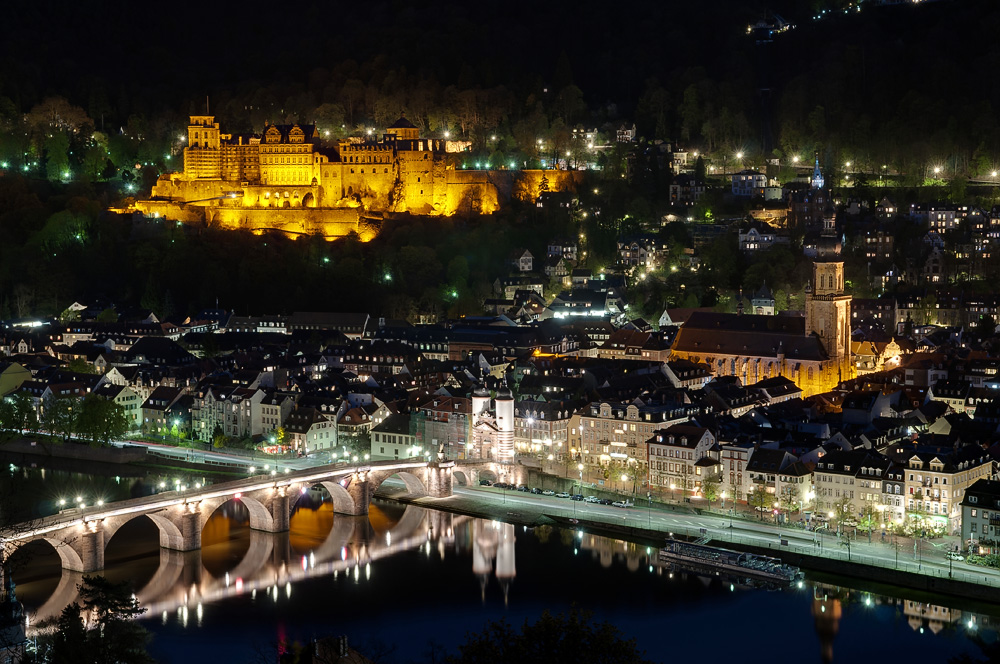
[(548, 492), (562, 494), (952, 555), (535, 490), (577, 497), (591, 499), (485, 483), (604, 501), (523, 487), (622, 503)]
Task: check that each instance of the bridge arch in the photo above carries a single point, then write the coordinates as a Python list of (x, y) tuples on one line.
[(68, 556), (414, 485), (260, 516), (343, 501), (464, 479), (170, 534)]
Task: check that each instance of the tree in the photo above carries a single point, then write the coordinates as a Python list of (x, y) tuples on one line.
[(699, 170), (113, 634), (869, 516), (23, 417), (70, 639), (842, 512), (81, 365), (759, 499), (710, 488), (572, 637), (59, 415), (101, 420)]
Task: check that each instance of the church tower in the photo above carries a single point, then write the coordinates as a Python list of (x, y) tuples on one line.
[(817, 178), (828, 311)]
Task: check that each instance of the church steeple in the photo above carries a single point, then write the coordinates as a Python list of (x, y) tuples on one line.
[(817, 178)]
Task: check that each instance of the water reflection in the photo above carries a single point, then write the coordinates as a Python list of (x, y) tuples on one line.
[(237, 565)]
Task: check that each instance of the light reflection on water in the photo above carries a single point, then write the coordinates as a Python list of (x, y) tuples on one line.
[(424, 572)]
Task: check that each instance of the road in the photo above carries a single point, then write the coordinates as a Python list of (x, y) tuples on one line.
[(927, 558), (221, 458)]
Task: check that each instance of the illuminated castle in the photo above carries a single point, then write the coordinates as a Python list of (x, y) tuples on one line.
[(287, 179)]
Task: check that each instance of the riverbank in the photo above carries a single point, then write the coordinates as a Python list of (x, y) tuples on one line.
[(56, 454), (921, 577)]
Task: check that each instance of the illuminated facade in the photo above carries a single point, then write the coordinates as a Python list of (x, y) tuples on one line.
[(813, 352), (287, 179)]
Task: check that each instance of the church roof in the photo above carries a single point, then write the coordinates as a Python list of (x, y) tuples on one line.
[(710, 333)]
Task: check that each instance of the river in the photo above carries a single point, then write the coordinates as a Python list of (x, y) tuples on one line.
[(406, 584)]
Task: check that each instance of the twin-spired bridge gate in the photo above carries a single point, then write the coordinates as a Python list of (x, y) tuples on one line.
[(79, 536)]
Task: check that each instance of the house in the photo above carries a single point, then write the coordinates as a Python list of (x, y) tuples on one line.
[(685, 190), (937, 478), (235, 411), (581, 277), (639, 252), (520, 260), (749, 183), (555, 267), (849, 484), (394, 438), (981, 517), (562, 247), (505, 287), (681, 456), (12, 375), (308, 430), (155, 411), (759, 237), (274, 410)]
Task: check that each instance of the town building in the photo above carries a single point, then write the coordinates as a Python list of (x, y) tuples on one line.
[(681, 457), (981, 517)]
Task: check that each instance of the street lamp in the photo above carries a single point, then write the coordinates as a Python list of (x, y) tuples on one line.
[(672, 485), (580, 468)]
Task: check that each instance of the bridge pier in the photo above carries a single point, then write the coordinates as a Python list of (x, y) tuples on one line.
[(189, 524), (280, 508), (361, 491), (439, 478), (89, 547)]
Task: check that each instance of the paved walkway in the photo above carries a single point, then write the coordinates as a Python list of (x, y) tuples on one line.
[(918, 556)]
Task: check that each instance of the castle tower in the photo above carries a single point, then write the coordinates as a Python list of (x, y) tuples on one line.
[(828, 307), (505, 424), (202, 158)]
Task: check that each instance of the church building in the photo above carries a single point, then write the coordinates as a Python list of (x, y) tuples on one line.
[(812, 351)]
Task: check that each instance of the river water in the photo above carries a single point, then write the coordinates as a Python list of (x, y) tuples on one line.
[(406, 584)]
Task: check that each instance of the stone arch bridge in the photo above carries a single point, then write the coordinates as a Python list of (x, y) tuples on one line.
[(79, 535)]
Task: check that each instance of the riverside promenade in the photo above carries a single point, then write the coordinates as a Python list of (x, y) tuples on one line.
[(918, 564)]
